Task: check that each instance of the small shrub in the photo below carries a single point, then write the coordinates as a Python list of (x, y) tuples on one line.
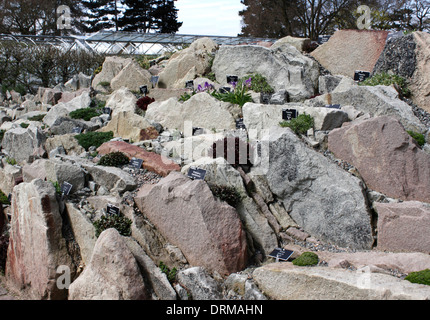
[(234, 150), (171, 274), (114, 159), (11, 161), (421, 277), (120, 223), (419, 138), (386, 79), (84, 113), (299, 125), (227, 194), (24, 125), (306, 259), (144, 102), (104, 84), (38, 117), (258, 83), (96, 139), (56, 186), (3, 200)]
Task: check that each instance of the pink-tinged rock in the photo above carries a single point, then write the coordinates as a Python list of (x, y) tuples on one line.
[(36, 246), (207, 231), (404, 226), (387, 158), (351, 50), (151, 161), (112, 274)]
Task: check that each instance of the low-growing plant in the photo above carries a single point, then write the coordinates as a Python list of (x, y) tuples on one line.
[(38, 117), (114, 159), (306, 259), (419, 138), (299, 125), (104, 83), (233, 149), (24, 125), (96, 139), (421, 277), (11, 161), (120, 223), (84, 113), (387, 79), (258, 83), (56, 186), (144, 102), (3, 200), (171, 274), (226, 193)]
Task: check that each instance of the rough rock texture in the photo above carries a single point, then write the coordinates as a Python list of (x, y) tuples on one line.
[(201, 110), (200, 284), (350, 50), (403, 226), (121, 100), (375, 101), (36, 246), (10, 176), (208, 231), (298, 43), (132, 76), (78, 81), (187, 64), (112, 274), (24, 144), (66, 141), (284, 281), (111, 67), (151, 161), (387, 158), (409, 56), (284, 68), (323, 199)]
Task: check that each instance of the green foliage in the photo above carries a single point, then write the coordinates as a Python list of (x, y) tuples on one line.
[(421, 277), (386, 79), (419, 138), (186, 96), (84, 113), (104, 83), (171, 274), (114, 159), (11, 161), (96, 139), (38, 117), (56, 186), (120, 223), (227, 194), (306, 259), (24, 125), (258, 83), (3, 199), (239, 96), (299, 125)]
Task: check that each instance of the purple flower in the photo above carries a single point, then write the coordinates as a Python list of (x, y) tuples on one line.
[(248, 82), (234, 84), (199, 88)]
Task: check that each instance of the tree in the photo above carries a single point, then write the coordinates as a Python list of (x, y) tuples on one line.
[(166, 17), (100, 14)]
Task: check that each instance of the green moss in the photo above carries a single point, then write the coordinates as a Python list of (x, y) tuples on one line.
[(24, 125), (114, 159), (120, 223), (419, 138), (306, 259), (85, 113), (96, 139), (299, 125), (421, 277), (38, 117), (386, 79)]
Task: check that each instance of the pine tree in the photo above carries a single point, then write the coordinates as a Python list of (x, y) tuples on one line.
[(100, 14), (166, 16), (138, 16)]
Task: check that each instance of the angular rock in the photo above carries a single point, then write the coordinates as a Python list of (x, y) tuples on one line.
[(36, 246), (208, 232), (9, 177), (284, 281), (386, 157), (24, 144), (112, 66), (323, 199), (403, 226), (187, 64), (121, 100), (201, 110), (66, 141), (200, 284), (132, 76), (78, 82), (151, 161), (112, 274), (298, 43), (351, 50), (284, 67)]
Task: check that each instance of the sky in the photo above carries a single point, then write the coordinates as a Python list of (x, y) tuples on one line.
[(209, 17)]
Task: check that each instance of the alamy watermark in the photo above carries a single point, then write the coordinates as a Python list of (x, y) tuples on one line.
[(64, 21), (364, 21)]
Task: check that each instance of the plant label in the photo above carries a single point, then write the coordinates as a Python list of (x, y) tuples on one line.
[(107, 110), (154, 80), (361, 75), (112, 210), (288, 114), (136, 163), (231, 79), (144, 90), (76, 130), (281, 254), (66, 188), (189, 84), (224, 89), (240, 124), (333, 106), (323, 39), (196, 173)]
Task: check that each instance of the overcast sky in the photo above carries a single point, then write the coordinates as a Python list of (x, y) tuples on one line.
[(209, 17)]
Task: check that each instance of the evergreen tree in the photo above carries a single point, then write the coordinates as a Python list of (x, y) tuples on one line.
[(100, 14), (166, 16)]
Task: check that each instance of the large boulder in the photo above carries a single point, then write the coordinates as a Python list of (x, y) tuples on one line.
[(284, 67), (403, 226), (284, 281), (24, 144), (121, 100), (350, 50), (78, 81), (201, 110), (36, 245), (299, 43), (208, 231), (326, 201), (112, 66), (132, 76), (112, 274), (188, 64), (65, 141), (375, 101), (387, 158), (200, 284), (409, 56)]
